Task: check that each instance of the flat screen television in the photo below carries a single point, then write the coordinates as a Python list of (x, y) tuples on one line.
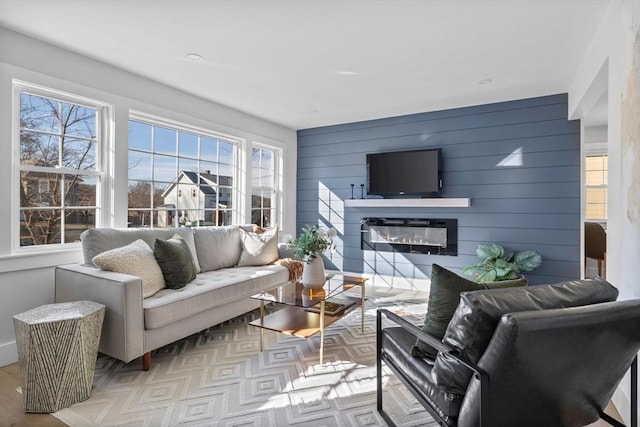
[(414, 173)]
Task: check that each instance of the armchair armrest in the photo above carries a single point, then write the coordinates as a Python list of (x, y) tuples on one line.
[(478, 372), (413, 330), (123, 327)]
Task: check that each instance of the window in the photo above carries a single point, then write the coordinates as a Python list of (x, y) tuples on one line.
[(263, 186), (169, 162), (59, 166), (596, 179)]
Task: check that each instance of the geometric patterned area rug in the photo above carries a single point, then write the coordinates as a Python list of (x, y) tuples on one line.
[(219, 377)]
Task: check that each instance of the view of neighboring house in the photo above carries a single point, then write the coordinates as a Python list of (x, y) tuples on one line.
[(196, 199)]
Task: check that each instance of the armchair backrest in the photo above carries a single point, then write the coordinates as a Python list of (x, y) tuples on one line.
[(555, 367), (477, 316)]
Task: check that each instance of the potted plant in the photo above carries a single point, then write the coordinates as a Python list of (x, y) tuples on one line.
[(308, 246), (495, 266)]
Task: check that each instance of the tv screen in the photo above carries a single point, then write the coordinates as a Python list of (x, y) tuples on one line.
[(405, 173)]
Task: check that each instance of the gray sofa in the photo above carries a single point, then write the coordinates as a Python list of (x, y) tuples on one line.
[(133, 325)]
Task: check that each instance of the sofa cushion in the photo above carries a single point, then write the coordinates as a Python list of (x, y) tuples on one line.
[(479, 312), (210, 290), (175, 261), (258, 248), (217, 247), (135, 259), (98, 240), (444, 296)]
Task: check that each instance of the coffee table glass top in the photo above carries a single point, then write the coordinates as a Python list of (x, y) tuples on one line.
[(295, 294)]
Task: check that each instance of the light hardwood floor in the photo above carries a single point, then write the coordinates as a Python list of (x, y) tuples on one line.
[(12, 410)]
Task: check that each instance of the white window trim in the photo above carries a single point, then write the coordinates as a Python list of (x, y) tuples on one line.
[(104, 134), (154, 120)]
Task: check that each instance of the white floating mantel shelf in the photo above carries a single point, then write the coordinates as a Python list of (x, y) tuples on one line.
[(435, 202)]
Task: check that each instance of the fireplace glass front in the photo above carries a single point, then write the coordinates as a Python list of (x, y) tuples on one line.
[(420, 236)]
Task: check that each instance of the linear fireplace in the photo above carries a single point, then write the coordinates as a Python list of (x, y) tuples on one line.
[(420, 236)]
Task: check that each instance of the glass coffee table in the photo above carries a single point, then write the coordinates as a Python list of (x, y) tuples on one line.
[(308, 311)]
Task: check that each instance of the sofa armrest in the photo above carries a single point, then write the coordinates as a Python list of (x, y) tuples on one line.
[(123, 328)]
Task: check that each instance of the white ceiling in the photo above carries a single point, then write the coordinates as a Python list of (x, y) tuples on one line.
[(308, 63)]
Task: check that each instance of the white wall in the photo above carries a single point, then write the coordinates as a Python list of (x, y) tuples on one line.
[(27, 281), (617, 47)]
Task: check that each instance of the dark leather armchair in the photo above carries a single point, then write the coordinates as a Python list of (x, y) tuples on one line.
[(548, 355), (595, 244)]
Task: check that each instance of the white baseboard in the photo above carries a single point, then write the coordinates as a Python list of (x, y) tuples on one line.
[(8, 353)]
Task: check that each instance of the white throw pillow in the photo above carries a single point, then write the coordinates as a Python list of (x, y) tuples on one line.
[(135, 259), (258, 248)]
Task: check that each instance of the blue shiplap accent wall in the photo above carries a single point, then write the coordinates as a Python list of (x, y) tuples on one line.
[(518, 161)]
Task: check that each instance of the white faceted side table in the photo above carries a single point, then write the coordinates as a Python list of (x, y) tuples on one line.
[(57, 352)]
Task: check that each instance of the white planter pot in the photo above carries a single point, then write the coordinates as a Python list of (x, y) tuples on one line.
[(313, 275)]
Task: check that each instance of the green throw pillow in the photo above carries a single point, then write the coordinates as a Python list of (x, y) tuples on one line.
[(444, 296), (175, 260)]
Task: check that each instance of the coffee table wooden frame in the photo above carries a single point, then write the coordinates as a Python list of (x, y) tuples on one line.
[(295, 319)]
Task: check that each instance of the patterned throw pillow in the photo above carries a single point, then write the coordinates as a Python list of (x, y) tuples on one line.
[(175, 261), (135, 259), (258, 249)]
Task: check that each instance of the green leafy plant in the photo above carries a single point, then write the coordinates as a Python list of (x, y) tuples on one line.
[(495, 266), (312, 242)]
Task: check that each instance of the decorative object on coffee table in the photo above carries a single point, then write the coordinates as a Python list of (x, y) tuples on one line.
[(308, 246), (495, 265), (57, 352)]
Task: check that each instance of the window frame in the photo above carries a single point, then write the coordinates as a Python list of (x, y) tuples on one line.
[(276, 190), (605, 185), (174, 125), (103, 137)]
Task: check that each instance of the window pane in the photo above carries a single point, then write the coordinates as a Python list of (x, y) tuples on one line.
[(139, 194), (40, 226), (225, 197), (594, 178), (78, 121), (267, 159), (208, 168), (39, 113), (139, 136), (165, 217), (79, 153), (209, 149), (139, 218), (226, 153), (160, 193), (39, 189), (596, 211), (164, 141), (596, 195), (189, 165), (77, 221), (38, 149), (595, 163), (164, 168), (188, 217), (140, 166), (255, 158), (188, 145), (80, 190), (186, 201)]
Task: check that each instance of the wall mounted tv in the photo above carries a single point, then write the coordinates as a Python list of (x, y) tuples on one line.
[(416, 173)]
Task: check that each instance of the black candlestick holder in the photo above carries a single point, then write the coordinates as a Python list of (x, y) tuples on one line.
[(362, 191), (352, 185)]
